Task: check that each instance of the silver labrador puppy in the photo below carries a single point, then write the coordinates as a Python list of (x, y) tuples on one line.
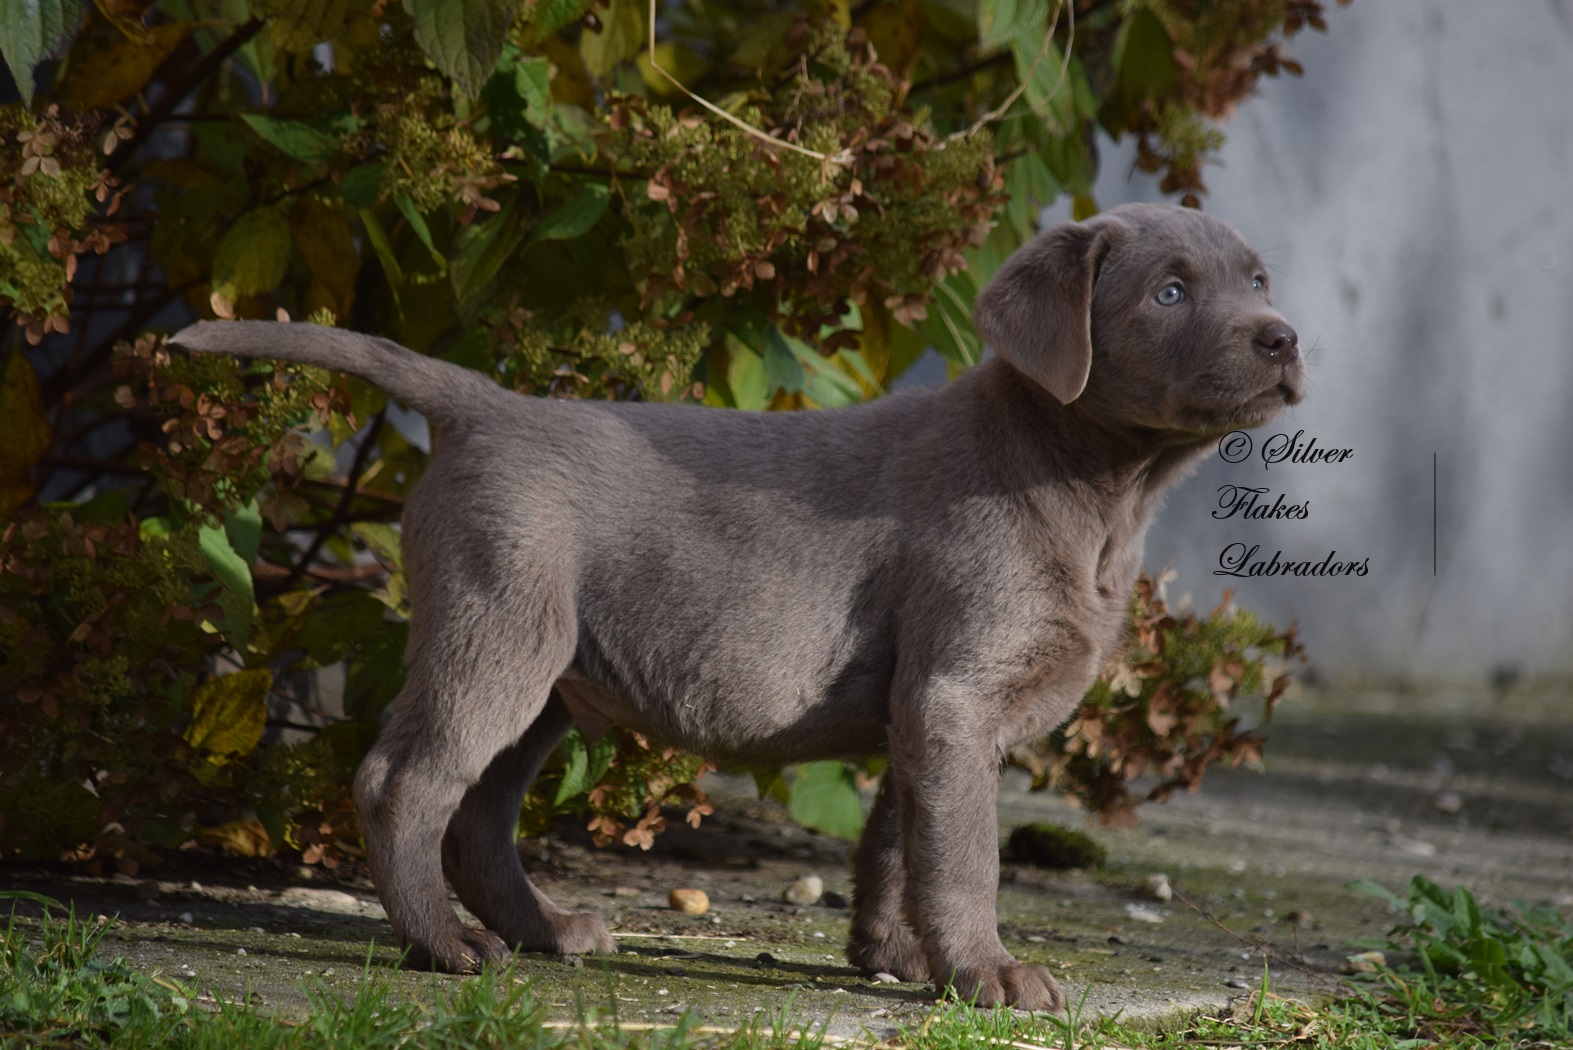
[(936, 575)]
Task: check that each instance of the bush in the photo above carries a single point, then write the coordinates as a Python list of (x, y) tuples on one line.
[(514, 187)]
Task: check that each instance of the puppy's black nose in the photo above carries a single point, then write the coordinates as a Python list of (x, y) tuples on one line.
[(1277, 342)]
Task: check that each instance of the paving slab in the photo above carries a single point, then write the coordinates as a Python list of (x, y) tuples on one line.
[(1463, 787)]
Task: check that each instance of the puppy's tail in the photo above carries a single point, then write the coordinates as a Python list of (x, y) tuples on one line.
[(436, 389)]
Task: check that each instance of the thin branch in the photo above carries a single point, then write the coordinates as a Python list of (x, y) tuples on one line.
[(999, 58), (341, 512), (65, 378), (175, 94)]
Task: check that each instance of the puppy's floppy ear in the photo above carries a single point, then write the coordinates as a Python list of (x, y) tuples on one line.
[(1037, 311)]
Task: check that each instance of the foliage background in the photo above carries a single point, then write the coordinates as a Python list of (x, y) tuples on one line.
[(520, 189)]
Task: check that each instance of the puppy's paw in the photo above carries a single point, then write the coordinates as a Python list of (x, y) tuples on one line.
[(580, 933), (462, 951), (894, 950), (1011, 984)]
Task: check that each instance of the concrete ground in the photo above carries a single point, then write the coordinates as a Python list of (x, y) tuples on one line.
[(1464, 788)]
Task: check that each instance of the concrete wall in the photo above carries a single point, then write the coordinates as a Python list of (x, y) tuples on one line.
[(1412, 196)]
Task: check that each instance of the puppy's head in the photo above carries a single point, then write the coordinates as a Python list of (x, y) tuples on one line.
[(1148, 316)]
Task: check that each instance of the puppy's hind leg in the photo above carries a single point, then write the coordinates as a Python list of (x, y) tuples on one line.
[(881, 940), (473, 690), (482, 860)]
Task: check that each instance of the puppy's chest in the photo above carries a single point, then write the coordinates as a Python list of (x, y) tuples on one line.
[(1073, 630)]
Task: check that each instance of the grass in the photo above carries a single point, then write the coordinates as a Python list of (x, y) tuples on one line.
[(1464, 976)]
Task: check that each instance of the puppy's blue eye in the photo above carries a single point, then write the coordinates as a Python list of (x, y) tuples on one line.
[(1169, 294), (1259, 282)]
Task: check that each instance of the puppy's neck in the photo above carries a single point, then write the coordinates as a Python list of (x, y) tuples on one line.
[(1057, 444)]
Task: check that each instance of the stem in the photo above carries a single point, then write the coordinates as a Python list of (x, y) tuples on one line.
[(160, 111), (341, 512)]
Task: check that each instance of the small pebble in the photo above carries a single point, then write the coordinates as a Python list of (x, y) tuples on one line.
[(1155, 887), (820, 934), (1449, 802), (256, 929), (805, 891), (662, 991), (1033, 938), (689, 901), (765, 959), (674, 971), (1142, 913), (1238, 982), (884, 978), (625, 891), (187, 918), (240, 951), (195, 887), (1365, 962)]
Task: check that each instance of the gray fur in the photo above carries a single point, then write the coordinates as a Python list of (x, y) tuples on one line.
[(936, 575)]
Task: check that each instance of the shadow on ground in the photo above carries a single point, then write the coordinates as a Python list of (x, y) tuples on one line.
[(1472, 789)]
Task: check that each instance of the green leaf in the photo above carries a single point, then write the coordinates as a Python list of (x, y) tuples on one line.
[(949, 325), (384, 249), (1002, 21), (361, 185), (823, 383), (519, 105), (825, 798), (463, 38), (1380, 892), (301, 141), (622, 35), (482, 250), (338, 624), (417, 222), (374, 675), (551, 15), (574, 781), (228, 714), (34, 30), (1052, 98), (601, 754), (783, 370), (237, 599), (745, 376), (772, 784), (243, 528), (1143, 58), (575, 216), (252, 256)]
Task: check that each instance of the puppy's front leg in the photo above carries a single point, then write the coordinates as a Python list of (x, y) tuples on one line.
[(948, 776)]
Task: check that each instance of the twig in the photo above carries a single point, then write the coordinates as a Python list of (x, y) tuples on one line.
[(341, 512), (843, 158), (997, 59), (65, 378), (159, 111)]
